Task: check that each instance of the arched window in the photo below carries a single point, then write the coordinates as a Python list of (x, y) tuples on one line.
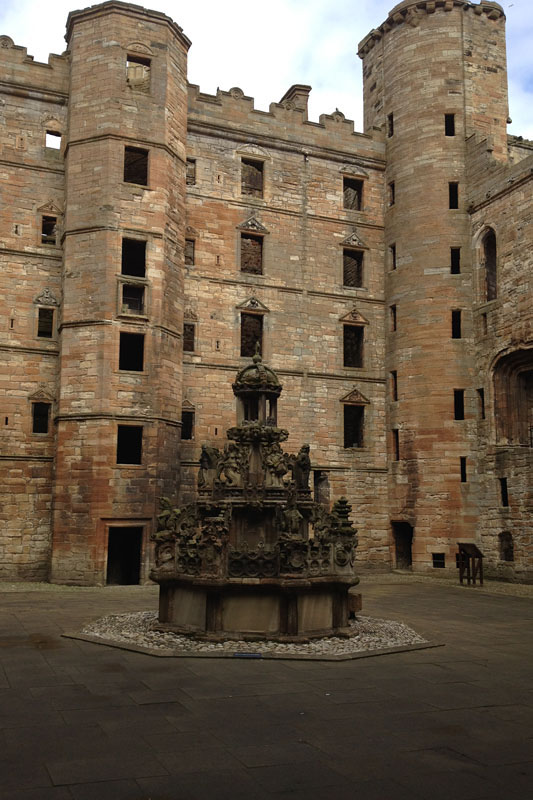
[(513, 398), (491, 270)]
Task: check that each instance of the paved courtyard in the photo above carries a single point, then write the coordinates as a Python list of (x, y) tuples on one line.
[(88, 722)]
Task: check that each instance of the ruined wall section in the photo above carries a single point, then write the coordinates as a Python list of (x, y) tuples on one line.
[(33, 100), (300, 295)]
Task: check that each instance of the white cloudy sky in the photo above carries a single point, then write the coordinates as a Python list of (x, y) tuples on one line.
[(289, 41)]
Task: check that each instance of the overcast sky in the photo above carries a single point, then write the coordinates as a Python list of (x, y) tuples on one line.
[(288, 41)]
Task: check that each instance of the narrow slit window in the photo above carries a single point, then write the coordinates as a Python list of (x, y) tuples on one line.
[(504, 492), (136, 165), (189, 330), (252, 177), (392, 256), (449, 124), (251, 253), (138, 71), (353, 342), (392, 193), (132, 299), (189, 252), (453, 192), (354, 418), (481, 403), (490, 256), (390, 125), (462, 465), (352, 268), (187, 425), (352, 194), (191, 172), (455, 260), (49, 230), (396, 444), (251, 334), (393, 316), (131, 352), (134, 258), (458, 403), (53, 140), (394, 385), (129, 444), (40, 417), (45, 323), (456, 324)]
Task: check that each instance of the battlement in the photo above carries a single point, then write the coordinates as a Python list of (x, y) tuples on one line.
[(20, 68), (410, 12)]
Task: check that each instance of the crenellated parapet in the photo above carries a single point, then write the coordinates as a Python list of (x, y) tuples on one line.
[(20, 69)]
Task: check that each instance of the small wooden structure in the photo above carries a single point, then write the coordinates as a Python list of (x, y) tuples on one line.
[(470, 563)]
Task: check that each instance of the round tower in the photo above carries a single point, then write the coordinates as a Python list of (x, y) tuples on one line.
[(118, 424), (434, 80)]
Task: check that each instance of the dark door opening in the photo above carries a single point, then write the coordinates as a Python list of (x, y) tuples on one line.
[(403, 540), (124, 556)]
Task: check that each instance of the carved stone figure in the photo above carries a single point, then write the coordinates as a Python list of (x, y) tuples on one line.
[(209, 458), (301, 469), (230, 467)]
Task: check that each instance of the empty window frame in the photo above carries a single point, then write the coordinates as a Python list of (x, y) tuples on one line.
[(52, 140), (392, 256), (456, 324), (506, 546), (504, 492), (136, 165), (449, 124), (353, 345), (395, 444), (390, 125), (394, 385), (458, 403), (490, 259), (129, 444), (354, 419), (189, 330), (252, 173), (439, 560), (189, 252), (453, 194), (462, 467), (131, 352), (251, 253), (392, 193), (352, 194), (40, 417), (45, 323), (190, 178), (393, 317), (138, 71), (132, 299), (187, 425), (352, 268), (49, 230), (251, 334), (481, 403), (455, 260), (134, 258)]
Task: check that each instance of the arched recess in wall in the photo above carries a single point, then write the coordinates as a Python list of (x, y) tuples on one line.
[(489, 256), (513, 397)]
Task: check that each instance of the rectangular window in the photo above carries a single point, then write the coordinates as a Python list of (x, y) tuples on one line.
[(439, 560), (455, 260), (390, 125), (481, 402), (354, 417), (453, 191), (252, 177), (45, 323), (449, 124), (352, 267), (40, 417), (138, 73), (504, 492), (188, 337), (134, 258), (394, 385), (131, 353), (251, 254), (393, 318), (462, 464), (353, 338), (136, 165), (189, 252), (251, 334), (48, 230), (129, 444), (396, 444), (392, 256), (53, 140), (132, 299), (187, 425), (456, 324), (392, 193), (352, 194), (458, 403), (191, 172)]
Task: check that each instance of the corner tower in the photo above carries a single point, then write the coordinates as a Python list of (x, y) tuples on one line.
[(434, 75), (118, 423)]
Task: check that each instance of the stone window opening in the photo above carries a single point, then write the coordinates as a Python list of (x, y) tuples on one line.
[(513, 398), (456, 324), (354, 426), (392, 256), (439, 560), (395, 444), (134, 258), (189, 332), (136, 165), (481, 403), (189, 252), (131, 352), (490, 254), (392, 193), (453, 193), (187, 425), (506, 546), (132, 299), (462, 466), (352, 268), (138, 69), (52, 140), (459, 404), (353, 345), (394, 385), (455, 260), (190, 175), (390, 125), (504, 493), (352, 194), (251, 334), (49, 230), (393, 318), (45, 323), (252, 173), (251, 253), (129, 444), (449, 124), (40, 417)]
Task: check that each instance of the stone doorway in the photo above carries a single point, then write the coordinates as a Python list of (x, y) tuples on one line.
[(403, 541), (124, 549)]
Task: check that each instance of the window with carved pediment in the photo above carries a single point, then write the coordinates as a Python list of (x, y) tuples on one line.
[(251, 334), (252, 172)]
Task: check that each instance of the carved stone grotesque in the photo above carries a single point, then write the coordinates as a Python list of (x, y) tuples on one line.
[(301, 469)]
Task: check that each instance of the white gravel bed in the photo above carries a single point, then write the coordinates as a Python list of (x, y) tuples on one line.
[(137, 629)]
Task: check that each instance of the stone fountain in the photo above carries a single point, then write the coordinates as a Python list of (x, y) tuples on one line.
[(254, 557)]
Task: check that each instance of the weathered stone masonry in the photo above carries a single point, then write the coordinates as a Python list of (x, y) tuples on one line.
[(169, 224)]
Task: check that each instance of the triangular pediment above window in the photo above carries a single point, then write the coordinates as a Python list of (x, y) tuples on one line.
[(252, 150), (354, 240), (46, 298), (190, 232), (189, 315), (253, 304), (354, 171), (354, 317), (187, 406), (41, 396), (252, 224), (50, 207), (355, 397)]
